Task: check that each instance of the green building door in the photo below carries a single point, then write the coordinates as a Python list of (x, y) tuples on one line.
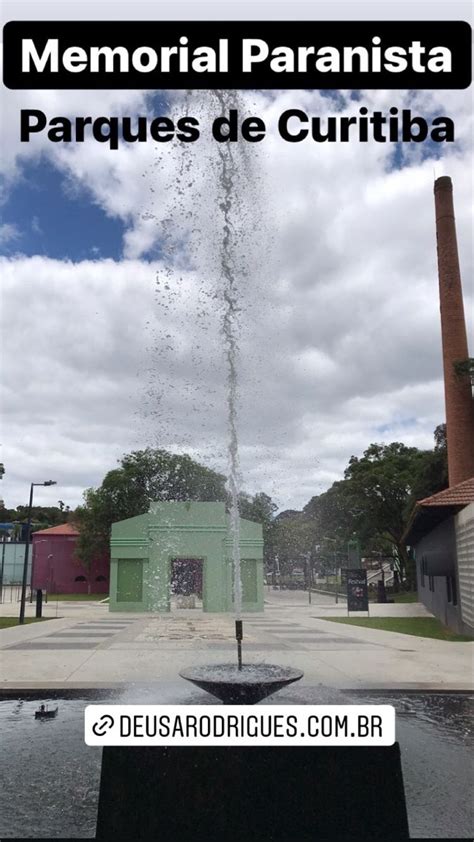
[(130, 580)]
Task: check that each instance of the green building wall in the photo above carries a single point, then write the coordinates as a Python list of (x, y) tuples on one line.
[(143, 547)]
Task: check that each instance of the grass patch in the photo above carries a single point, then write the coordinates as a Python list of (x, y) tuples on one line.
[(418, 626), (76, 597), (8, 622)]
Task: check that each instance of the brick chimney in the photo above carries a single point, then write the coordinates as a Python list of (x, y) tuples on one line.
[(457, 390)]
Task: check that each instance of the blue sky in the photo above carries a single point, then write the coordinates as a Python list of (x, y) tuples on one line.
[(49, 212), (54, 221)]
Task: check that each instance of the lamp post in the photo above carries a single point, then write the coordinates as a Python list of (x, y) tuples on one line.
[(309, 572), (27, 547)]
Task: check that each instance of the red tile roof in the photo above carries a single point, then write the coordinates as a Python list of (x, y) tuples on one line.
[(458, 495), (62, 529), (432, 510)]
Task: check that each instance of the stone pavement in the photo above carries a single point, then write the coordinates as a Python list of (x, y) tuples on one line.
[(89, 647)]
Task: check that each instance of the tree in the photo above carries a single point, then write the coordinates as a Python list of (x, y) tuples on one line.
[(381, 485), (42, 517), (441, 443), (432, 475), (333, 515), (290, 538), (261, 509), (377, 495), (144, 476)]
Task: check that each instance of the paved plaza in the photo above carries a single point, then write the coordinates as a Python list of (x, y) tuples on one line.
[(87, 646)]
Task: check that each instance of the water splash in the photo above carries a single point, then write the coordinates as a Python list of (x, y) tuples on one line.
[(205, 206), (228, 174)]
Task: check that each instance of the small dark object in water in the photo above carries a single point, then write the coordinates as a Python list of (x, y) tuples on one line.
[(44, 713)]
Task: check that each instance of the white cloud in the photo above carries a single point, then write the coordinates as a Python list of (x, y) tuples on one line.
[(340, 337), (8, 233)]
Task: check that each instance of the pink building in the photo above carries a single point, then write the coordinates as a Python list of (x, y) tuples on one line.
[(56, 568)]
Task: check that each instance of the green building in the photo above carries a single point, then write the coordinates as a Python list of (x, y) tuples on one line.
[(179, 554)]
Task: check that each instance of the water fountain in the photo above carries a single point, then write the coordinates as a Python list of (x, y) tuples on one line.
[(258, 792), (241, 684), (245, 686)]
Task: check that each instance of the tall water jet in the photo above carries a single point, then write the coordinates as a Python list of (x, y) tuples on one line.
[(211, 208), (227, 177), (251, 683)]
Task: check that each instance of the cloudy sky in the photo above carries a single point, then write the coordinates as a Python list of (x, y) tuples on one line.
[(112, 292)]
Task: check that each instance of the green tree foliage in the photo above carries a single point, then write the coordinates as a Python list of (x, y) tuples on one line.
[(440, 439), (465, 368), (42, 517), (432, 476), (373, 502), (260, 509), (144, 476), (289, 546), (382, 484), (333, 515)]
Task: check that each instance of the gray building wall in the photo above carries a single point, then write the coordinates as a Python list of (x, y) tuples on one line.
[(464, 525), (437, 575)]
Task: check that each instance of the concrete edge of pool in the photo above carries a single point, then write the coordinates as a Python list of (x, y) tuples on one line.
[(82, 690)]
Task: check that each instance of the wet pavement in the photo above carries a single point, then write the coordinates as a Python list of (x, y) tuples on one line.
[(51, 778)]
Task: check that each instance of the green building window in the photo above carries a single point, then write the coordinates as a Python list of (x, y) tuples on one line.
[(130, 580), (248, 573)]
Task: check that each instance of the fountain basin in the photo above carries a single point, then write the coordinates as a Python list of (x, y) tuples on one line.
[(247, 686)]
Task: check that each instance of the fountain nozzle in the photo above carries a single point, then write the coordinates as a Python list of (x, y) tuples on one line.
[(238, 637)]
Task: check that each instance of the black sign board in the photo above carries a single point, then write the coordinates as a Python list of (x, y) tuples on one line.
[(357, 592), (165, 55)]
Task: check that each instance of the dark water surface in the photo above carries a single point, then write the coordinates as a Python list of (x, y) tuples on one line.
[(50, 778)]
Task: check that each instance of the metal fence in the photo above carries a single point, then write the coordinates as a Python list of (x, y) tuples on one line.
[(12, 593)]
